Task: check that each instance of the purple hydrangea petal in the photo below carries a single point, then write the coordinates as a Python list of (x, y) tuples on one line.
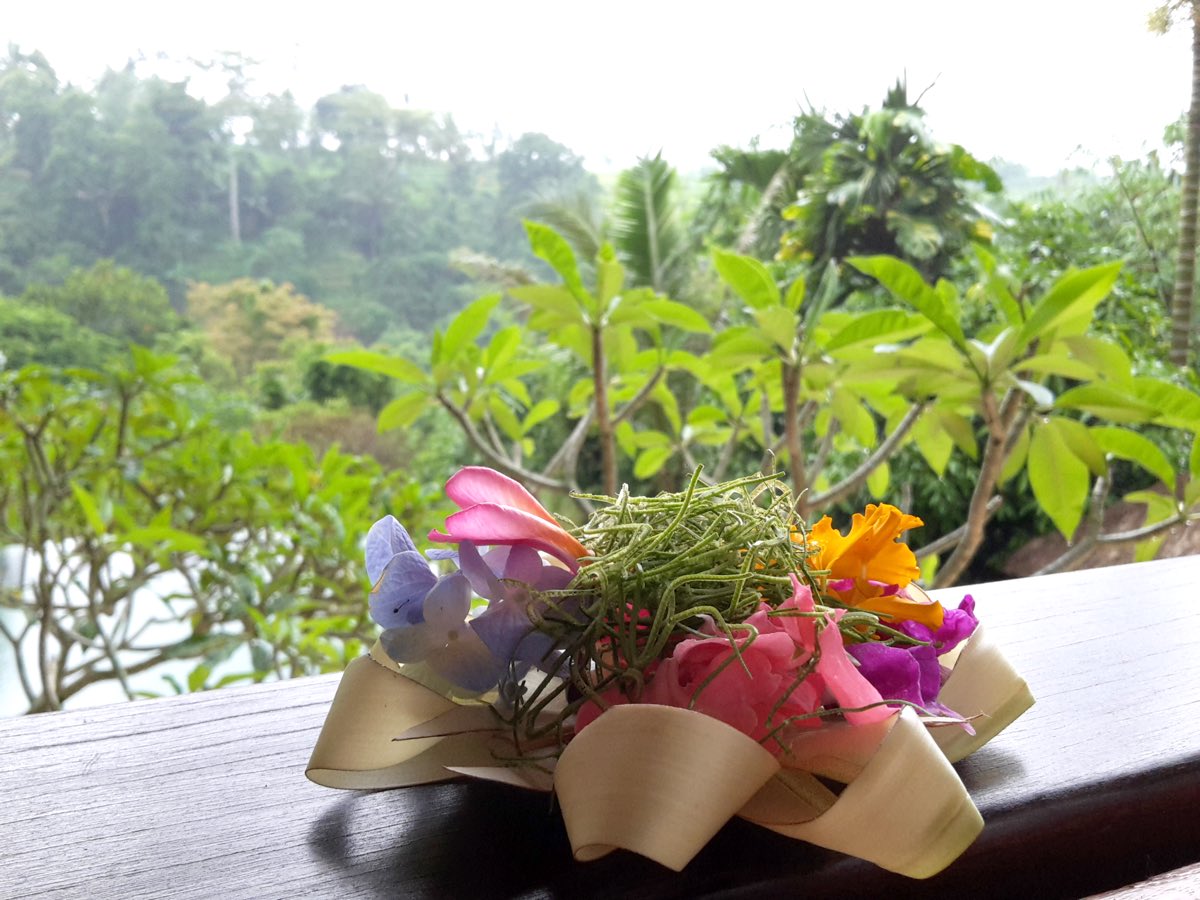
[(524, 564), (466, 661), (553, 578), (502, 626), (396, 597), (439, 553), (448, 602), (409, 644), (386, 538), (478, 571)]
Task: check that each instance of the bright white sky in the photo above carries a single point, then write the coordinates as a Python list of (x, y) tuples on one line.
[(1027, 80)]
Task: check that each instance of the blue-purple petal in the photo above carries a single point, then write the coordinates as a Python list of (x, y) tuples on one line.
[(524, 564), (478, 571), (448, 602), (386, 538), (409, 644), (396, 599), (466, 662)]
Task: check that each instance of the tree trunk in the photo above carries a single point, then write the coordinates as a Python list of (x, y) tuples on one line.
[(1182, 301), (235, 222)]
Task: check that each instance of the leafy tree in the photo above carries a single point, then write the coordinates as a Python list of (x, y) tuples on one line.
[(112, 300), (123, 486), (870, 182), (884, 186), (32, 334), (250, 322)]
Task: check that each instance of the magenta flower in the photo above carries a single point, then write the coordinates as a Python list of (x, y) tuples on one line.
[(912, 673), (495, 510)]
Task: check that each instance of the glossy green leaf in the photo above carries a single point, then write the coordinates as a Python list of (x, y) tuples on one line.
[(877, 327), (740, 347), (550, 246), (1126, 444), (624, 434), (541, 411), (779, 324), (678, 315), (1058, 477), (935, 443), (503, 415), (1146, 550), (960, 429), (905, 283), (392, 366), (1017, 457), (1057, 363), (748, 277), (1072, 298), (650, 461), (1083, 444), (468, 324), (1106, 401), (1194, 458), (91, 510), (1175, 406), (853, 418), (610, 276), (502, 347), (879, 480), (402, 411), (794, 298), (1102, 355)]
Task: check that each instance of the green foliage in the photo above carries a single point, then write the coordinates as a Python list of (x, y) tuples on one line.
[(1130, 217), (32, 334), (357, 203), (112, 300), (251, 322), (884, 187), (123, 486)]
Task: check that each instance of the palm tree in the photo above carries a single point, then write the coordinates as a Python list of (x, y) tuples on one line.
[(1183, 297)]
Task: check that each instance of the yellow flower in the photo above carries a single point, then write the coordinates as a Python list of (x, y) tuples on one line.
[(871, 558)]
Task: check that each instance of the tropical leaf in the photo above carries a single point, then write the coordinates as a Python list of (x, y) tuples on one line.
[(647, 229)]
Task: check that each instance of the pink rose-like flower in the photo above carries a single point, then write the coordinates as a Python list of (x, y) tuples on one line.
[(759, 692), (495, 510)]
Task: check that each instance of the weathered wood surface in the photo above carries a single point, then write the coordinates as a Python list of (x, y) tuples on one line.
[(204, 796), (1180, 884)]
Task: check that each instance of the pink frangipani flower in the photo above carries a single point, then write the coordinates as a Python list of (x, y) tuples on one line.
[(498, 511)]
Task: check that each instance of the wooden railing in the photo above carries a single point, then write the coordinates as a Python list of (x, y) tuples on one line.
[(1096, 787)]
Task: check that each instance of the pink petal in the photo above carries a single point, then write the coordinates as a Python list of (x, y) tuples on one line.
[(493, 525), (843, 679), (474, 485)]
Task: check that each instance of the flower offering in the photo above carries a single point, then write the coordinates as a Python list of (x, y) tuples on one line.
[(707, 638)]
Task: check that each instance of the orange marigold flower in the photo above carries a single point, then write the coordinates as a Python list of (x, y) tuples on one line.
[(870, 551)]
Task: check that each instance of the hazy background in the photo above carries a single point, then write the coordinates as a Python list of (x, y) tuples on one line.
[(1027, 81)]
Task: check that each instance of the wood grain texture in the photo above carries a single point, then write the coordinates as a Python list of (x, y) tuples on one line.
[(1181, 884), (203, 796)]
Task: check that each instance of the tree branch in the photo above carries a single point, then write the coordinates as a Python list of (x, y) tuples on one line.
[(489, 453), (884, 451), (951, 538)]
